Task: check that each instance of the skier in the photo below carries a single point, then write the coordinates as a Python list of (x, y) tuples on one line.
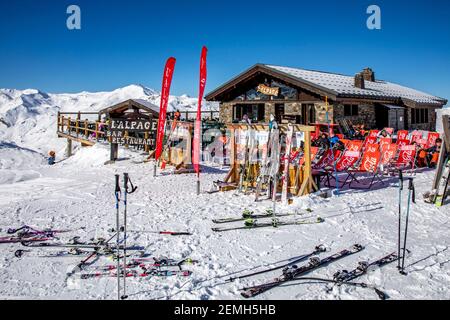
[(51, 158)]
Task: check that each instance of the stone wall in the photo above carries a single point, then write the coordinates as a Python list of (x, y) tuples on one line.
[(321, 112), (366, 115), (226, 112), (293, 108)]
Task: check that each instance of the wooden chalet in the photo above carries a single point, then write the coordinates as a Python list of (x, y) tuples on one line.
[(298, 96)]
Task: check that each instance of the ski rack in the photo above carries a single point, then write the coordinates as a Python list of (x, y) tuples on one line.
[(179, 155), (445, 149), (233, 177)]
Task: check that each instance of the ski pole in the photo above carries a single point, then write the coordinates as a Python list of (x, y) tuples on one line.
[(117, 194), (126, 182), (411, 197), (125, 186), (400, 188)]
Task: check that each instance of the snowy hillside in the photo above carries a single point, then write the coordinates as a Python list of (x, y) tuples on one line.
[(28, 117)]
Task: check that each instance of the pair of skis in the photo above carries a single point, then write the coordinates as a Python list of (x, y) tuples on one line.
[(275, 223), (442, 191), (250, 215), (292, 272), (317, 250), (268, 163), (136, 274), (344, 277), (148, 263), (30, 234)]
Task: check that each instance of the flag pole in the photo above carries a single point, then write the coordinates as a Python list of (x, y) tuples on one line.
[(198, 122)]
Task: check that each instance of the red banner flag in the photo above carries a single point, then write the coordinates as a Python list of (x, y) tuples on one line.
[(197, 130), (167, 81)]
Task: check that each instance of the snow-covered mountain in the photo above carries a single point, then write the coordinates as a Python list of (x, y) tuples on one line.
[(28, 117)]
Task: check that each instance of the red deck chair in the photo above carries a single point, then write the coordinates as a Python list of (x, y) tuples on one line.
[(406, 157), (354, 145), (402, 135), (416, 135), (369, 166), (327, 159), (370, 140), (385, 141), (401, 143), (388, 153), (431, 140), (344, 164), (314, 152), (374, 133)]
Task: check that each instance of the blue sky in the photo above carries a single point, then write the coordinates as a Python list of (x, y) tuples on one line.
[(125, 42)]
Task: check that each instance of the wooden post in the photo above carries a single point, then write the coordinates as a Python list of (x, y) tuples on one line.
[(69, 148), (69, 125), (308, 182), (86, 132), (146, 147), (97, 133)]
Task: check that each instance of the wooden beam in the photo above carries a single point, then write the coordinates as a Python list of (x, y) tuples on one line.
[(67, 136)]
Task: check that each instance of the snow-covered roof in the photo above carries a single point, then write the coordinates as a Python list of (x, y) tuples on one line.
[(147, 104), (345, 86)]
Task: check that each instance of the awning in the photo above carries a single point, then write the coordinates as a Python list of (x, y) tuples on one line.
[(392, 107)]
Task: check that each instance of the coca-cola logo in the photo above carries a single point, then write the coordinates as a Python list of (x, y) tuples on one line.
[(370, 163)]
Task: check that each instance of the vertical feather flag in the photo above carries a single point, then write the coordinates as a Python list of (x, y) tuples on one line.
[(197, 129), (167, 81)]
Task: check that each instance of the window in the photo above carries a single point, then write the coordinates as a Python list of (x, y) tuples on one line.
[(419, 116), (255, 112), (351, 110)]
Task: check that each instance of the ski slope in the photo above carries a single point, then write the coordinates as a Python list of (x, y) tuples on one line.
[(78, 193)]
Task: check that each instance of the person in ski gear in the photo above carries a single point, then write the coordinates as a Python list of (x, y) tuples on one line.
[(322, 142), (383, 134), (433, 152), (246, 119), (334, 139), (51, 158), (273, 125), (177, 115)]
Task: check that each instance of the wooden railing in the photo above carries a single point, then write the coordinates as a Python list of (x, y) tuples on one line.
[(71, 125)]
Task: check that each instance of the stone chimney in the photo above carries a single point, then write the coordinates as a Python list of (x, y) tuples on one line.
[(359, 81), (368, 74)]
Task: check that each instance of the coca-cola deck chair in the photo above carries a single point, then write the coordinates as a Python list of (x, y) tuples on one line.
[(402, 135), (369, 167), (343, 165), (388, 154), (431, 140), (405, 159), (314, 152)]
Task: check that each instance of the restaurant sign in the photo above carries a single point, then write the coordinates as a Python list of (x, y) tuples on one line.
[(269, 91), (132, 132)]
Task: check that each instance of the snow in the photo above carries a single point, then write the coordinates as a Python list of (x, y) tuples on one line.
[(78, 193), (345, 85), (440, 113)]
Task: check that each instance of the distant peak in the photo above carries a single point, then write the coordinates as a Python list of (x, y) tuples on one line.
[(139, 88)]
